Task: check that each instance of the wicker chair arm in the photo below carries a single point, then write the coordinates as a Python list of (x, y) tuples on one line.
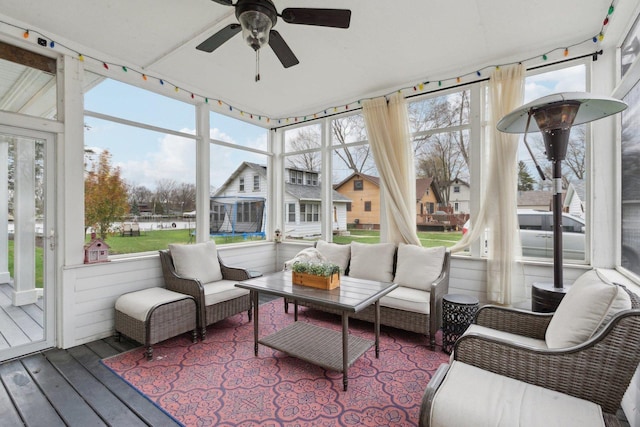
[(439, 288), (184, 285), (519, 322), (598, 370), (429, 394), (233, 273)]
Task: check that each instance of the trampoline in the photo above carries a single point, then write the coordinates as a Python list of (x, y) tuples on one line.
[(237, 215)]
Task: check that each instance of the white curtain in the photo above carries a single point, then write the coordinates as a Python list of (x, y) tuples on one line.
[(388, 131), (498, 216)]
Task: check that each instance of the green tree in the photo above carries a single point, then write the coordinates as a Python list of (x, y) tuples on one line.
[(525, 180), (105, 195)]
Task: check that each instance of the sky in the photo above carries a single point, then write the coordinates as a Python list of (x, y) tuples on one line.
[(147, 157)]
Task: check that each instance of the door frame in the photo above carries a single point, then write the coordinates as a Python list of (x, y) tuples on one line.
[(50, 248)]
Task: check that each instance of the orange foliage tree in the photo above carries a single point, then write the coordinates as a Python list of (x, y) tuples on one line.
[(105, 195)]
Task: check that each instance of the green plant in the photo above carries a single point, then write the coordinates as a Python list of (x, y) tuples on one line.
[(324, 269)]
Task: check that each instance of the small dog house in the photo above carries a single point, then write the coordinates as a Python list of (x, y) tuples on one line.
[(96, 251)]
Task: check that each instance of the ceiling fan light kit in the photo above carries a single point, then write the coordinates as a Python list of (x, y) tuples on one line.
[(257, 19)]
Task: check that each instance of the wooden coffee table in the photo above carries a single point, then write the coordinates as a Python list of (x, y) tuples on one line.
[(312, 343)]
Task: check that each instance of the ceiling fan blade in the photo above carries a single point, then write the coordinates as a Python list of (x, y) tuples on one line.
[(216, 40), (224, 2), (282, 50), (337, 18)]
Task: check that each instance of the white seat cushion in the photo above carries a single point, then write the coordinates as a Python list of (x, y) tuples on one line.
[(469, 396), (198, 261), (138, 304), (372, 261), (222, 290), (418, 267), (335, 253), (514, 338), (589, 303), (407, 299)]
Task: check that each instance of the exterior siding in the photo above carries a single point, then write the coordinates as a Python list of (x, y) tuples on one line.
[(370, 193)]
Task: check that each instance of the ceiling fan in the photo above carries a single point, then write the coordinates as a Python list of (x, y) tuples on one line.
[(257, 18)]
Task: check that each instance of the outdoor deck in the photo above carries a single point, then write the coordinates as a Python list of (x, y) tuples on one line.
[(19, 325)]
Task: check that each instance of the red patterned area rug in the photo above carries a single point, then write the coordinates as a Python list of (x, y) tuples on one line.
[(219, 381)]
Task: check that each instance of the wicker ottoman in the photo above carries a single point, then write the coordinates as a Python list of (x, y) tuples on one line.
[(155, 314)]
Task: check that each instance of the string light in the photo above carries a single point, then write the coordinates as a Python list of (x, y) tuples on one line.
[(420, 86)]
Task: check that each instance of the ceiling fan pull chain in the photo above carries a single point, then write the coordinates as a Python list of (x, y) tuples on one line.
[(257, 65)]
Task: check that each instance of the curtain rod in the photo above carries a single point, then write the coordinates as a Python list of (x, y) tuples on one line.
[(593, 55)]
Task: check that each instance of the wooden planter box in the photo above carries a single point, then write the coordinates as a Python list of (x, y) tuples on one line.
[(313, 281)]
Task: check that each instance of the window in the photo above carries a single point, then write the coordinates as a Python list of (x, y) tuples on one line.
[(232, 159), (630, 230), (158, 168), (302, 162), (456, 188), (367, 206), (574, 172), (312, 178), (309, 212), (256, 183), (348, 206), (291, 212), (358, 185)]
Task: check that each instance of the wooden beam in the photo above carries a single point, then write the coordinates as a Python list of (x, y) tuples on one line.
[(27, 58)]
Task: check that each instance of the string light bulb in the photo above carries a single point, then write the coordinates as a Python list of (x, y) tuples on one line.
[(26, 34)]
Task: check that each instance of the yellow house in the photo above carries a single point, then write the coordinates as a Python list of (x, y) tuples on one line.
[(364, 191)]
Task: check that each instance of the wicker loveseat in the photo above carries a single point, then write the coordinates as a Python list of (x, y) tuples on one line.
[(421, 273), (571, 367), (215, 292)]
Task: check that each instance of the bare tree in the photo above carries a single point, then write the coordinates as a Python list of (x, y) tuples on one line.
[(184, 197), (306, 138), (162, 198), (350, 129), (441, 147), (573, 166)]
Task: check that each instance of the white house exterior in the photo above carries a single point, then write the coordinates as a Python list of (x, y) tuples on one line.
[(459, 197), (574, 199), (301, 201)]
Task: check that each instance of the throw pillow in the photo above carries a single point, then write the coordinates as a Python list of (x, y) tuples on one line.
[(198, 261), (372, 261), (418, 267), (583, 310), (335, 253)]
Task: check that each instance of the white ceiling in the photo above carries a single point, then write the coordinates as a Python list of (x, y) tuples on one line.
[(390, 44)]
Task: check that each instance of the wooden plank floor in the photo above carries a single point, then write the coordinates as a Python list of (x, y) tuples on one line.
[(72, 388), (19, 325)]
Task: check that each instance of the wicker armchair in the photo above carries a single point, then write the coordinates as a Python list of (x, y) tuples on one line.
[(598, 370), (207, 314)]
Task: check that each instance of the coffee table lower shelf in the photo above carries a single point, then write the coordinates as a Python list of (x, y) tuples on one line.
[(317, 345)]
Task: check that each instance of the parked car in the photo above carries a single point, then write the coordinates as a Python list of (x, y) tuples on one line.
[(536, 234)]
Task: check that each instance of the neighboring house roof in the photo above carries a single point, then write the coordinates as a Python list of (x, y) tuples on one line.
[(312, 192), (534, 198), (458, 181), (372, 179)]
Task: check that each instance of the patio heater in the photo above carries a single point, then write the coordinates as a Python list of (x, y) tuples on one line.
[(554, 115)]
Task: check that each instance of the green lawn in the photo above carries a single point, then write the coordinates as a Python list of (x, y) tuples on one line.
[(428, 239), (39, 264), (157, 239)]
